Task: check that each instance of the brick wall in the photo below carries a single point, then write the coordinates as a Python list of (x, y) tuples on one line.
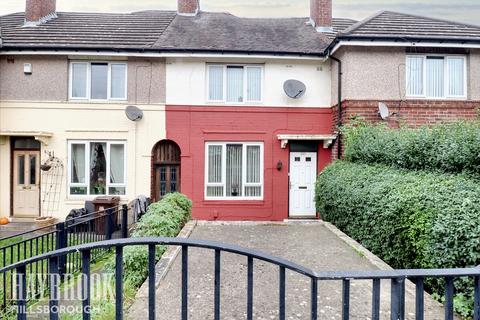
[(413, 113)]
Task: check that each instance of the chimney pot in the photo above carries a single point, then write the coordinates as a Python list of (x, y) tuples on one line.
[(188, 7), (38, 11), (321, 15)]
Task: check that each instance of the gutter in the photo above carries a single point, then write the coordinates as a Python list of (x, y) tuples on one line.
[(339, 103), (161, 53), (402, 42)]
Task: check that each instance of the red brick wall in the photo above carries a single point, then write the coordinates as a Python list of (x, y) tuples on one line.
[(413, 113), (188, 6), (321, 12), (37, 9)]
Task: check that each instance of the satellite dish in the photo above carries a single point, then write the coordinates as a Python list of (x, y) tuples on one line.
[(383, 111), (133, 113), (294, 89)]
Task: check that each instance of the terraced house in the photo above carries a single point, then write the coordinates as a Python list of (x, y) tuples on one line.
[(240, 114)]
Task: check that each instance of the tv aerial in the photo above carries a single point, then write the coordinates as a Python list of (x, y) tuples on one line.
[(294, 89)]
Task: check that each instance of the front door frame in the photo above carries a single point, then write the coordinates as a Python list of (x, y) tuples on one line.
[(314, 154), (12, 177)]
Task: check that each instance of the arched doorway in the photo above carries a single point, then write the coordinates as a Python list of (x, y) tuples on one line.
[(165, 169)]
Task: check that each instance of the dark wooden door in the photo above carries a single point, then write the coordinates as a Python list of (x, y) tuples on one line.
[(167, 180), (166, 169)]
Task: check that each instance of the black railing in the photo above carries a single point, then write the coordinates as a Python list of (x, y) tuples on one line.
[(396, 277), (98, 226)]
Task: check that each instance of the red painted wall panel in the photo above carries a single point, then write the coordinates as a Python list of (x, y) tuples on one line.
[(191, 126)]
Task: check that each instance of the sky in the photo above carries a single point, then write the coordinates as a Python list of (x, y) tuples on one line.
[(467, 11)]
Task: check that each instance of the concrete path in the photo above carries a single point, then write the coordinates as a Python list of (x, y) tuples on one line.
[(313, 246)]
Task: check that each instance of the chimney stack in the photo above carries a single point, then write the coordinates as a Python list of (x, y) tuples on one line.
[(38, 11), (188, 7), (321, 15)]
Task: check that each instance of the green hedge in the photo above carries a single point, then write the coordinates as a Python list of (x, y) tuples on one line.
[(163, 219), (450, 148), (411, 219)]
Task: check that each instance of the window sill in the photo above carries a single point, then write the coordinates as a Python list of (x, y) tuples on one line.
[(223, 103), (86, 101), (438, 99), (233, 203)]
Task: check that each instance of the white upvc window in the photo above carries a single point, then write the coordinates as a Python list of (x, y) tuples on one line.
[(97, 168), (98, 81), (436, 76), (233, 83), (234, 171)]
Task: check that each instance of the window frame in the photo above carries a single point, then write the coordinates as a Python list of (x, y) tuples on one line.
[(108, 184), (223, 184), (89, 81), (446, 80), (245, 83)]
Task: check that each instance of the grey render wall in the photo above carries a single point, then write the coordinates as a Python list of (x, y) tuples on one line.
[(378, 73), (49, 80)]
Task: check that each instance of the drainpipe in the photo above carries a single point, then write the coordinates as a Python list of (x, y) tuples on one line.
[(339, 103)]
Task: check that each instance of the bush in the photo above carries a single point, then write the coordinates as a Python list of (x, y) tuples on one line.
[(450, 148), (411, 219), (163, 219)]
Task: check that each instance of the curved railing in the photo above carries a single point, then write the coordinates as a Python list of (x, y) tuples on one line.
[(397, 278)]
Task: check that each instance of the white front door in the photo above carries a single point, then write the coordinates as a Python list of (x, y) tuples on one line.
[(303, 174), (26, 183)]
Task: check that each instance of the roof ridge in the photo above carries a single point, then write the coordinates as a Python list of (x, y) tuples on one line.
[(433, 18), (360, 23)]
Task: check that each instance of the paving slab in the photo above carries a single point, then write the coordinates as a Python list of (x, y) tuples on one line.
[(311, 245)]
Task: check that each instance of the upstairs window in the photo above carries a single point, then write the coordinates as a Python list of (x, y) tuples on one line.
[(235, 83), (98, 81), (436, 77)]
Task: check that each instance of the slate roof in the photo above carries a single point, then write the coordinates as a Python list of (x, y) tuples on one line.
[(218, 32), (87, 30), (401, 26), (225, 32)]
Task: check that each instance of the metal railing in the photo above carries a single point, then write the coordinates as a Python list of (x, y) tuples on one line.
[(396, 277), (107, 224)]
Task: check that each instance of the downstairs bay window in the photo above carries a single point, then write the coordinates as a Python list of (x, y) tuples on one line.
[(234, 171), (436, 77), (96, 168)]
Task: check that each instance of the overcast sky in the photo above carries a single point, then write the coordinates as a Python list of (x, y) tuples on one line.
[(458, 10)]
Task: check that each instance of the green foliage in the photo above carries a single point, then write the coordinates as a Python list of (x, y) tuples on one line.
[(450, 148), (163, 219), (411, 219)]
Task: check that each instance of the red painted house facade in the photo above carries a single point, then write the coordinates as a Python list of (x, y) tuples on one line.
[(193, 128)]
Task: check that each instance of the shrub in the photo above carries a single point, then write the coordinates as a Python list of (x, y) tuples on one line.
[(451, 148), (163, 219), (411, 219)]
